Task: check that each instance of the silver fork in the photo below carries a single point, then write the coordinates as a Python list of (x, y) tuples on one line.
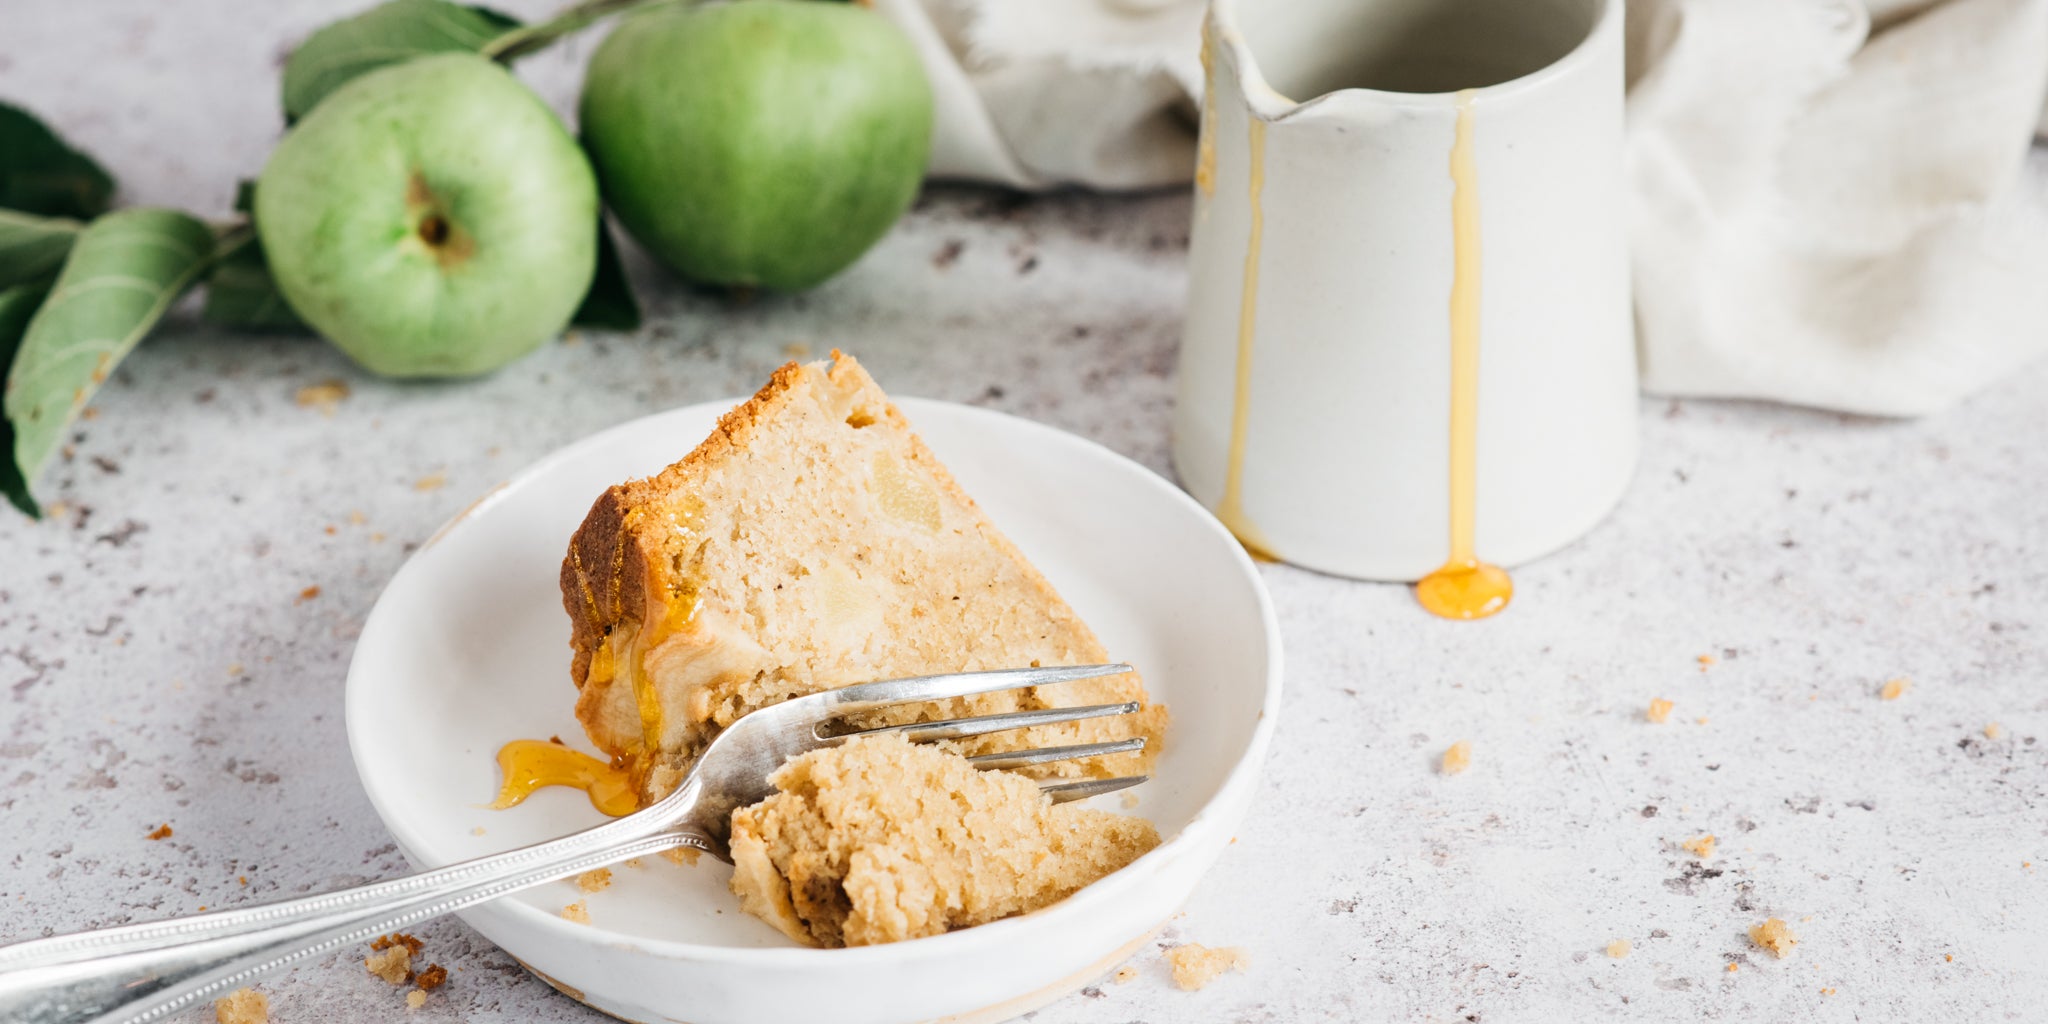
[(143, 973)]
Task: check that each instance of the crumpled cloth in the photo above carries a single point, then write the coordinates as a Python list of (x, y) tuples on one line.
[(1835, 203)]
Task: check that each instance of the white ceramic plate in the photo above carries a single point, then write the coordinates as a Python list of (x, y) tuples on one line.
[(468, 648)]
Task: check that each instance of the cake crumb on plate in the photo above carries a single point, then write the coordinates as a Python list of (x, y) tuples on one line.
[(1124, 975), (1993, 731), (1619, 948), (1775, 935), (578, 912), (686, 855), (1660, 711), (1457, 757), (242, 1006), (1894, 689), (1700, 846), (1195, 966), (596, 880)]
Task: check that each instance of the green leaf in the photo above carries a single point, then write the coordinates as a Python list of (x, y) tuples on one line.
[(124, 271), (17, 305), (387, 34), (240, 293), (40, 174), (609, 304), (32, 247), (239, 289)]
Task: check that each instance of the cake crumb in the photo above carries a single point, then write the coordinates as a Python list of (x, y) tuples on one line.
[(432, 978), (1706, 661), (578, 912), (634, 862), (1775, 935), (1993, 731), (686, 855), (242, 1006), (595, 880), (1660, 711), (477, 831), (1948, 958), (1129, 801), (1894, 689), (307, 594), (1619, 948), (1733, 967), (1700, 846), (1827, 991), (393, 963), (431, 482), (415, 999), (1195, 966), (412, 945), (1124, 975), (1457, 757), (323, 396), (1701, 720), (163, 831)]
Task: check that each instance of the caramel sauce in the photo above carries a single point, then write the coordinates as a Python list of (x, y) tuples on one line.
[(528, 765), (1464, 587), (1231, 508), (1205, 143)]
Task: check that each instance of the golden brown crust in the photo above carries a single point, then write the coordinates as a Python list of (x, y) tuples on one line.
[(605, 575)]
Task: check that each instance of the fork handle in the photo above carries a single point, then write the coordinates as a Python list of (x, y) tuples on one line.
[(138, 974)]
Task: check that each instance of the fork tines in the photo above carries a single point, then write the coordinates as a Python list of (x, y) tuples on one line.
[(869, 696)]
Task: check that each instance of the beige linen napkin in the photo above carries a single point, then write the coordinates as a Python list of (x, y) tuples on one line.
[(1834, 201)]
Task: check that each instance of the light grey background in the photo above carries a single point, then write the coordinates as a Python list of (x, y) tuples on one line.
[(157, 665)]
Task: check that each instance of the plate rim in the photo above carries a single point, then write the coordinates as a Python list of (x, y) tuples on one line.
[(1190, 838)]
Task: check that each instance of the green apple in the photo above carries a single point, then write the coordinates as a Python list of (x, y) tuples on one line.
[(432, 218), (760, 142)]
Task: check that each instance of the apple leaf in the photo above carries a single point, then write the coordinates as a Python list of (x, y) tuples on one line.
[(40, 174), (124, 271), (32, 247), (17, 304), (239, 289), (609, 304), (240, 293), (389, 33)]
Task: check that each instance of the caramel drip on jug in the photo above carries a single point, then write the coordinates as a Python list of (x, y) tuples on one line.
[(1464, 587), (528, 765), (1231, 508)]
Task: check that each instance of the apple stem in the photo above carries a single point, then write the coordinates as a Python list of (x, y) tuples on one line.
[(574, 18)]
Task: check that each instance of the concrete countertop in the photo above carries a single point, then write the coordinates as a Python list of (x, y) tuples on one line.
[(1768, 571)]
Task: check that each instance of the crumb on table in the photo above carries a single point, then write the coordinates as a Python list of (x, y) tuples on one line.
[(1619, 948), (393, 963), (163, 831), (415, 999), (1993, 731), (596, 880), (1700, 846), (1660, 711), (578, 912), (1894, 689), (432, 978), (242, 1006), (1457, 757), (1706, 661), (1195, 966), (1775, 935), (1124, 975)]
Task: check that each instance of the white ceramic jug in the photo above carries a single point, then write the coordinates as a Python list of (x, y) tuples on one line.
[(1383, 185)]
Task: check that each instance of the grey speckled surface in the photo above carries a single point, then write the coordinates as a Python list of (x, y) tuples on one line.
[(158, 664)]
